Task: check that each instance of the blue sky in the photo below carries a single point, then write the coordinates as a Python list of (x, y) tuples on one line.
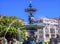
[(47, 8)]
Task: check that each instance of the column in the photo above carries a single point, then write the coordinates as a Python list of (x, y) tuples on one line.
[(44, 37), (55, 31), (49, 32)]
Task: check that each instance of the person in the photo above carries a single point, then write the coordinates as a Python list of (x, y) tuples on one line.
[(33, 42), (4, 40), (55, 41), (0, 42), (10, 42), (51, 41), (15, 41), (25, 42)]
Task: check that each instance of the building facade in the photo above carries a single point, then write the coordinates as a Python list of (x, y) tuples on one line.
[(50, 29), (59, 27)]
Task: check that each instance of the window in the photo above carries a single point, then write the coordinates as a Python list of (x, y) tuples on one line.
[(52, 30), (46, 30), (41, 31), (47, 35), (40, 21), (52, 35)]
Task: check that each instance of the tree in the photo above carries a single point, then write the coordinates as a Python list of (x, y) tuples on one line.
[(12, 32)]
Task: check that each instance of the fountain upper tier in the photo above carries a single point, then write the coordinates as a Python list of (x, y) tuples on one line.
[(30, 9)]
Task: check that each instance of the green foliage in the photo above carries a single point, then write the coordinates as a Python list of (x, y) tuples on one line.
[(12, 32), (2, 30), (23, 33)]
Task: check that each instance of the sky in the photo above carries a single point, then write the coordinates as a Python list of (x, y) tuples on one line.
[(45, 8)]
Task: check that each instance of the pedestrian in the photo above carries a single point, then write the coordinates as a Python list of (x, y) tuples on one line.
[(55, 41), (4, 40), (25, 42), (51, 41), (0, 42)]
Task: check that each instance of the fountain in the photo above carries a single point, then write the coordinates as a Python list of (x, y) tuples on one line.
[(32, 26)]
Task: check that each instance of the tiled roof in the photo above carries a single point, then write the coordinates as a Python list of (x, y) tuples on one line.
[(56, 18)]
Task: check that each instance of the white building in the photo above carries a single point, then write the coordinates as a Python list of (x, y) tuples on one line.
[(59, 27), (50, 29)]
